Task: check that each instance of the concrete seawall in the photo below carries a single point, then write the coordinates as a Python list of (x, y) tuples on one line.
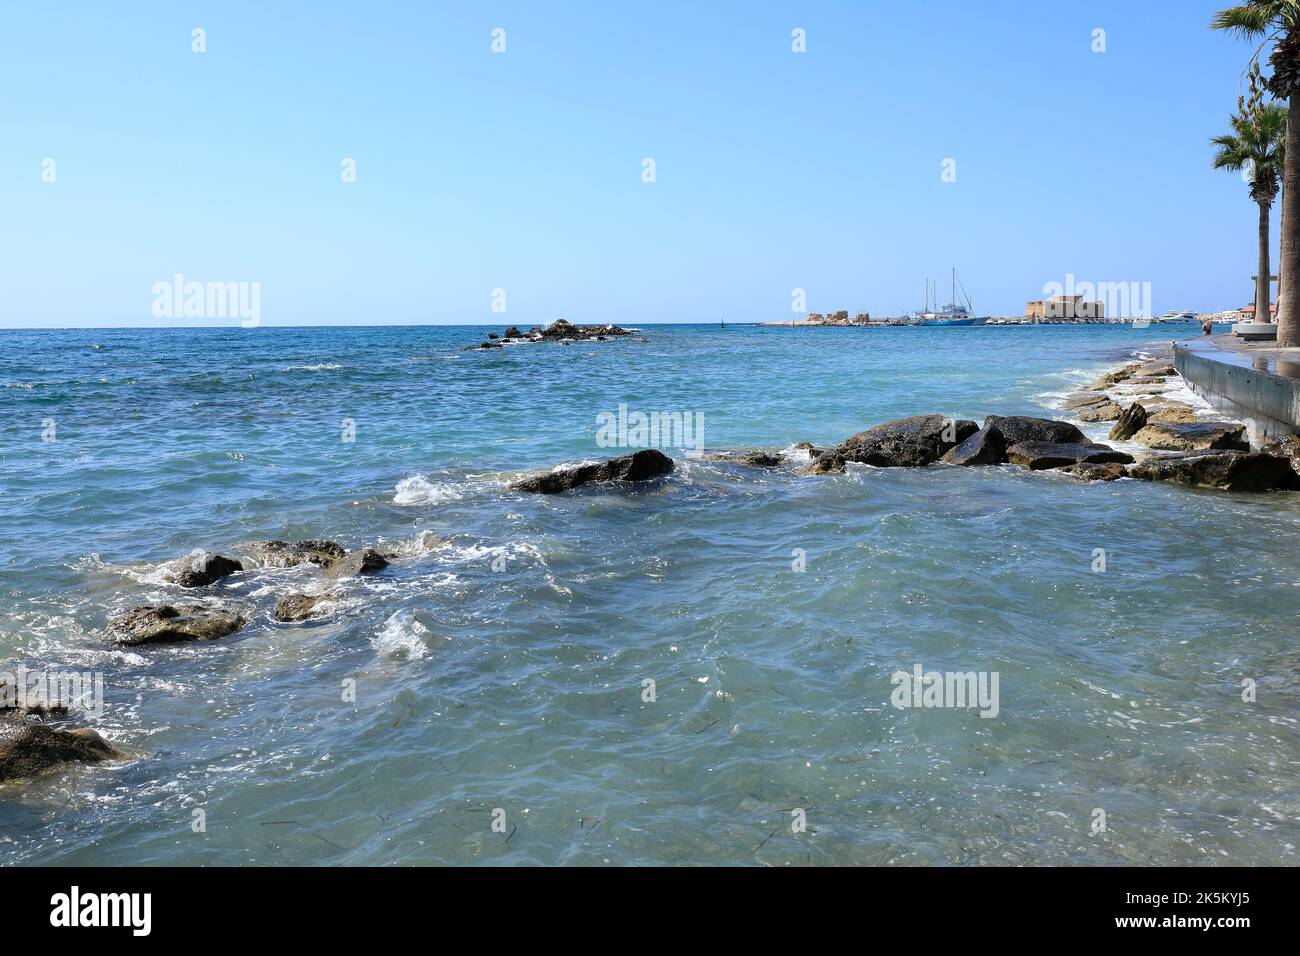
[(1257, 385)]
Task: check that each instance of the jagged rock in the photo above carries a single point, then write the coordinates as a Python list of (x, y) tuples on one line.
[(1114, 378), (299, 607), (512, 333), (812, 450), (1201, 436), (365, 561), (28, 748), (1042, 456), (1157, 369), (985, 447), (168, 624), (562, 330), (1173, 413), (827, 463), (1288, 446), (1132, 421), (1085, 399), (1020, 428), (754, 458), (10, 706), (1089, 472), (201, 569), (1224, 470), (1108, 412), (906, 443), (288, 554), (643, 465)]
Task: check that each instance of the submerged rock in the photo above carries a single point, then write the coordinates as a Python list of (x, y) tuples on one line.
[(28, 748), (1020, 428), (1208, 436), (168, 624), (986, 447), (299, 607), (1224, 470), (754, 458), (289, 554), (641, 466), (906, 443), (827, 463), (1130, 423), (1043, 456), (365, 561), (201, 569)]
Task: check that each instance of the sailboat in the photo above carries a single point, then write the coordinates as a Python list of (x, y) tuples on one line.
[(952, 315)]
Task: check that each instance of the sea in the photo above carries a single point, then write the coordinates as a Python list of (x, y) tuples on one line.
[(704, 669)]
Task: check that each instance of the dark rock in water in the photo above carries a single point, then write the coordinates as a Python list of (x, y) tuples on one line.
[(907, 443), (9, 706), (203, 569), (1110, 472), (299, 607), (1019, 428), (289, 554), (1132, 421), (1288, 446), (365, 561), (166, 624), (561, 330), (1043, 456), (985, 447), (493, 335), (827, 463), (1199, 436), (1224, 470), (753, 458), (28, 748), (512, 333), (641, 466)]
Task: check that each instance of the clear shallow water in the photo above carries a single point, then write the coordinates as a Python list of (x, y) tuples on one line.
[(521, 689)]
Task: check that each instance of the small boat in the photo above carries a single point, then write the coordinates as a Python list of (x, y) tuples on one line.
[(1186, 315), (953, 315)]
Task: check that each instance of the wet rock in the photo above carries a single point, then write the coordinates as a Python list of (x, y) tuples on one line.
[(28, 748), (906, 443), (1108, 412), (9, 706), (168, 624), (1224, 470), (289, 554), (365, 561), (812, 450), (1085, 399), (201, 569), (1017, 429), (512, 333), (641, 466), (754, 458), (1200, 436), (1132, 421), (1112, 379), (827, 463), (561, 330), (985, 447), (1287, 447), (300, 607), (1089, 472), (1043, 456)]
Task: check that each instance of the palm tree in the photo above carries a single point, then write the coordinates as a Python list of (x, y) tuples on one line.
[(1278, 22), (1257, 145)]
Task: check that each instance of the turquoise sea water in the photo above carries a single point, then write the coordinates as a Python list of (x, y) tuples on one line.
[(500, 663)]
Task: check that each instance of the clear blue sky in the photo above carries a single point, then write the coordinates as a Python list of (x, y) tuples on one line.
[(523, 170)]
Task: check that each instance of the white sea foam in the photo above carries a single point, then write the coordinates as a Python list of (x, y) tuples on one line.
[(402, 636), (419, 490), (320, 367)]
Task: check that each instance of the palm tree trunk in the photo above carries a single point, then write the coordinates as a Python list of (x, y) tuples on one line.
[(1288, 317), (1281, 276), (1263, 287)]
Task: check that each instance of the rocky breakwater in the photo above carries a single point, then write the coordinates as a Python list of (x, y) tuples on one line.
[(560, 331)]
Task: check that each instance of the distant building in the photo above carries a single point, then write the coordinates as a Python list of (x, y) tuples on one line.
[(1248, 313), (1064, 307)]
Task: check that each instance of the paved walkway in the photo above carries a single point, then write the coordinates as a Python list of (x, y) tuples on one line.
[(1260, 356)]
